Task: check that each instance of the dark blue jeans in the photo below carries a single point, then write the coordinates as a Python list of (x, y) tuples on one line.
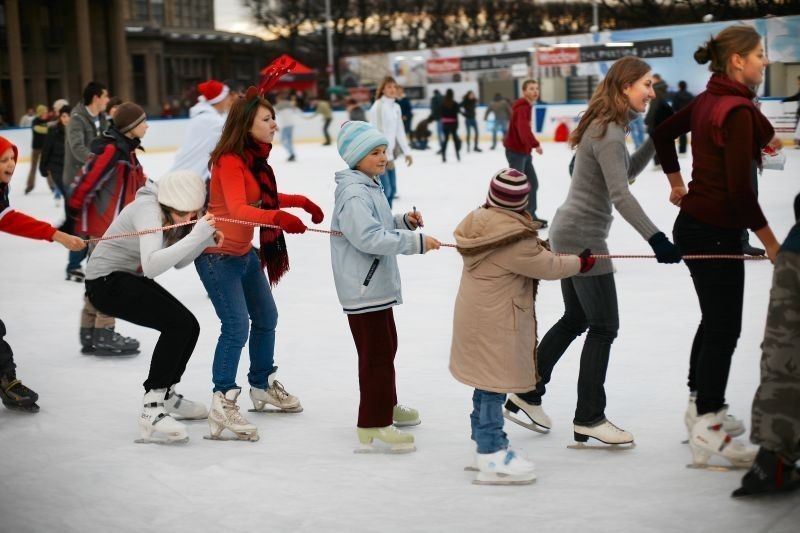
[(471, 125), (243, 301), (589, 302), (389, 184), (719, 285), (524, 163), (499, 125), (487, 421)]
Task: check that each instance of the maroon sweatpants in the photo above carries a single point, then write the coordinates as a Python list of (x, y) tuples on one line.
[(375, 336)]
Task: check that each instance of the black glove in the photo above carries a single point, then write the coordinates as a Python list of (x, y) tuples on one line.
[(587, 261), (666, 252)]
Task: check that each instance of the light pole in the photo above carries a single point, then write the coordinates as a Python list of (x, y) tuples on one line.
[(329, 39)]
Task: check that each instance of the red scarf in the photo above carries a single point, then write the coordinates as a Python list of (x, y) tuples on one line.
[(273, 245), (733, 96)]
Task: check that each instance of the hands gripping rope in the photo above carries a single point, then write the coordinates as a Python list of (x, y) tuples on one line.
[(444, 244)]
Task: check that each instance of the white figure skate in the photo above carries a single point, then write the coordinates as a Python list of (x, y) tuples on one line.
[(504, 467), (225, 415), (181, 408), (276, 396), (155, 419), (708, 437), (538, 420), (615, 438)]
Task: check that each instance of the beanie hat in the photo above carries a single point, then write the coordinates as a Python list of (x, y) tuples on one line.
[(509, 189), (128, 116), (5, 144), (40, 109), (212, 91), (356, 139), (182, 190), (58, 104)]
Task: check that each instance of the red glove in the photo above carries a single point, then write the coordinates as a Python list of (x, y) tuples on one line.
[(313, 209), (587, 261), (289, 223)]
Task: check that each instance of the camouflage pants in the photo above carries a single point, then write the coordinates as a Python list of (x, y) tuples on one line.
[(776, 406)]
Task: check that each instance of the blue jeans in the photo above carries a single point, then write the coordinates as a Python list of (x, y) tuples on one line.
[(389, 184), (499, 125), (286, 139), (524, 163), (242, 299), (637, 131), (487, 421), (75, 258), (471, 125)]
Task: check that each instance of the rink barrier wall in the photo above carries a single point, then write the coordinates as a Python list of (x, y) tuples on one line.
[(166, 134)]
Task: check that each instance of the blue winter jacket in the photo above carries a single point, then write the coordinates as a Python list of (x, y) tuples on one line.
[(363, 260)]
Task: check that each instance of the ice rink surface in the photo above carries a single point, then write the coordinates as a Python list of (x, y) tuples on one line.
[(74, 466)]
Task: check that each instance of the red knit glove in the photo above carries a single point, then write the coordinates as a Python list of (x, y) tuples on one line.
[(587, 261), (289, 223), (313, 209)]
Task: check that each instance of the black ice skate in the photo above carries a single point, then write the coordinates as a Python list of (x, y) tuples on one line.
[(108, 342), (17, 396), (770, 474), (76, 274)]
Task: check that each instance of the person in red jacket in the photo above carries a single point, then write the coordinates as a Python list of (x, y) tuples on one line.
[(13, 393), (243, 187), (520, 141), (728, 133), (106, 184)]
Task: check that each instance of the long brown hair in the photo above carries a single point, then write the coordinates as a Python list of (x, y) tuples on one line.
[(732, 40), (171, 236), (384, 82), (237, 126), (609, 103)]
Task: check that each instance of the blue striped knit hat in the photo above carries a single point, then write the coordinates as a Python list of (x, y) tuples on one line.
[(509, 189), (356, 139)]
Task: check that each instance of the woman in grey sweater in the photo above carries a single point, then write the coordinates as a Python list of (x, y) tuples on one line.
[(119, 281), (603, 170)]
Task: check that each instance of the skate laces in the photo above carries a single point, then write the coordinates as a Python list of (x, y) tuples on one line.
[(232, 411), (280, 392), (404, 409)]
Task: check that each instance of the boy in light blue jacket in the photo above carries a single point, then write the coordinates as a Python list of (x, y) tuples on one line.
[(368, 280)]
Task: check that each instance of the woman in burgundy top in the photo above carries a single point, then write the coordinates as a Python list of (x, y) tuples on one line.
[(728, 133)]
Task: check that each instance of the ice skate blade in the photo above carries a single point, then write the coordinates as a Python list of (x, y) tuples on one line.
[(394, 449), (533, 426), (487, 478), (32, 408), (604, 446), (110, 353), (246, 438), (167, 442), (407, 424), (471, 468), (275, 410), (718, 468)]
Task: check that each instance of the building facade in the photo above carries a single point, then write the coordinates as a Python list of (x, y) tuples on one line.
[(148, 51)]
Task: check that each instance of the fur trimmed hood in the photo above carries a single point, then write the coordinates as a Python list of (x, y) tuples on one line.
[(488, 228)]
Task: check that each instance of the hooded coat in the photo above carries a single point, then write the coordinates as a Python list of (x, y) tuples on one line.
[(494, 324)]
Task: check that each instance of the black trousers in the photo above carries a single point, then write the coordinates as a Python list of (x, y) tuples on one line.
[(719, 285), (7, 365), (143, 301)]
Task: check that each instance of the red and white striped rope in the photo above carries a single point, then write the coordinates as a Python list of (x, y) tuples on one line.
[(448, 245)]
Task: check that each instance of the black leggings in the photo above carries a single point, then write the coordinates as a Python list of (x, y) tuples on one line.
[(6, 354), (144, 302), (720, 290)]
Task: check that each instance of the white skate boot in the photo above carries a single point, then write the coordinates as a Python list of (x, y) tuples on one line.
[(539, 421), (708, 437), (181, 408), (225, 415), (396, 441), (154, 418), (504, 468), (732, 425), (607, 433), (276, 396)]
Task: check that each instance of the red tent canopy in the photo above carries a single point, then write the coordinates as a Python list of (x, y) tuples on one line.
[(301, 78)]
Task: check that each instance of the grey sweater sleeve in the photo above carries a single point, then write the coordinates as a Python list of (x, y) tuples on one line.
[(641, 158), (611, 155), (156, 259)]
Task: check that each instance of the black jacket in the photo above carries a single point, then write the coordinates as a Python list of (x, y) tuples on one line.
[(52, 160)]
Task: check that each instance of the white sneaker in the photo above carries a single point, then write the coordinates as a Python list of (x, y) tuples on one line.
[(154, 418), (225, 415), (539, 421), (606, 432), (504, 467), (181, 408), (732, 425), (276, 396), (708, 437)]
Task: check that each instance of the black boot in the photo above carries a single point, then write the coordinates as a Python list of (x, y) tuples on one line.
[(17, 396), (769, 474), (109, 342), (87, 340)]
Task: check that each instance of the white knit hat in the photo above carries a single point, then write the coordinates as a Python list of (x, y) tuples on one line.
[(182, 190)]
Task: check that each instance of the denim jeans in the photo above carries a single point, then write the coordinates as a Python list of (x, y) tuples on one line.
[(524, 163), (637, 131), (389, 184), (719, 285), (487, 421), (287, 132), (74, 259), (472, 125), (499, 125), (242, 299), (589, 302)]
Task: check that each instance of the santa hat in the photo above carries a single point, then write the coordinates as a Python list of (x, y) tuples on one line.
[(5, 144), (212, 91), (509, 189)]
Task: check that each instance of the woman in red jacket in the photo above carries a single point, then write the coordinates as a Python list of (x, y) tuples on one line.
[(13, 393), (243, 188), (728, 133)]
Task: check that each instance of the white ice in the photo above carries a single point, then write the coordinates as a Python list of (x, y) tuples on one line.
[(74, 466)]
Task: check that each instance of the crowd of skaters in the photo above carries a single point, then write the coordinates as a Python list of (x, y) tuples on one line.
[(503, 259)]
